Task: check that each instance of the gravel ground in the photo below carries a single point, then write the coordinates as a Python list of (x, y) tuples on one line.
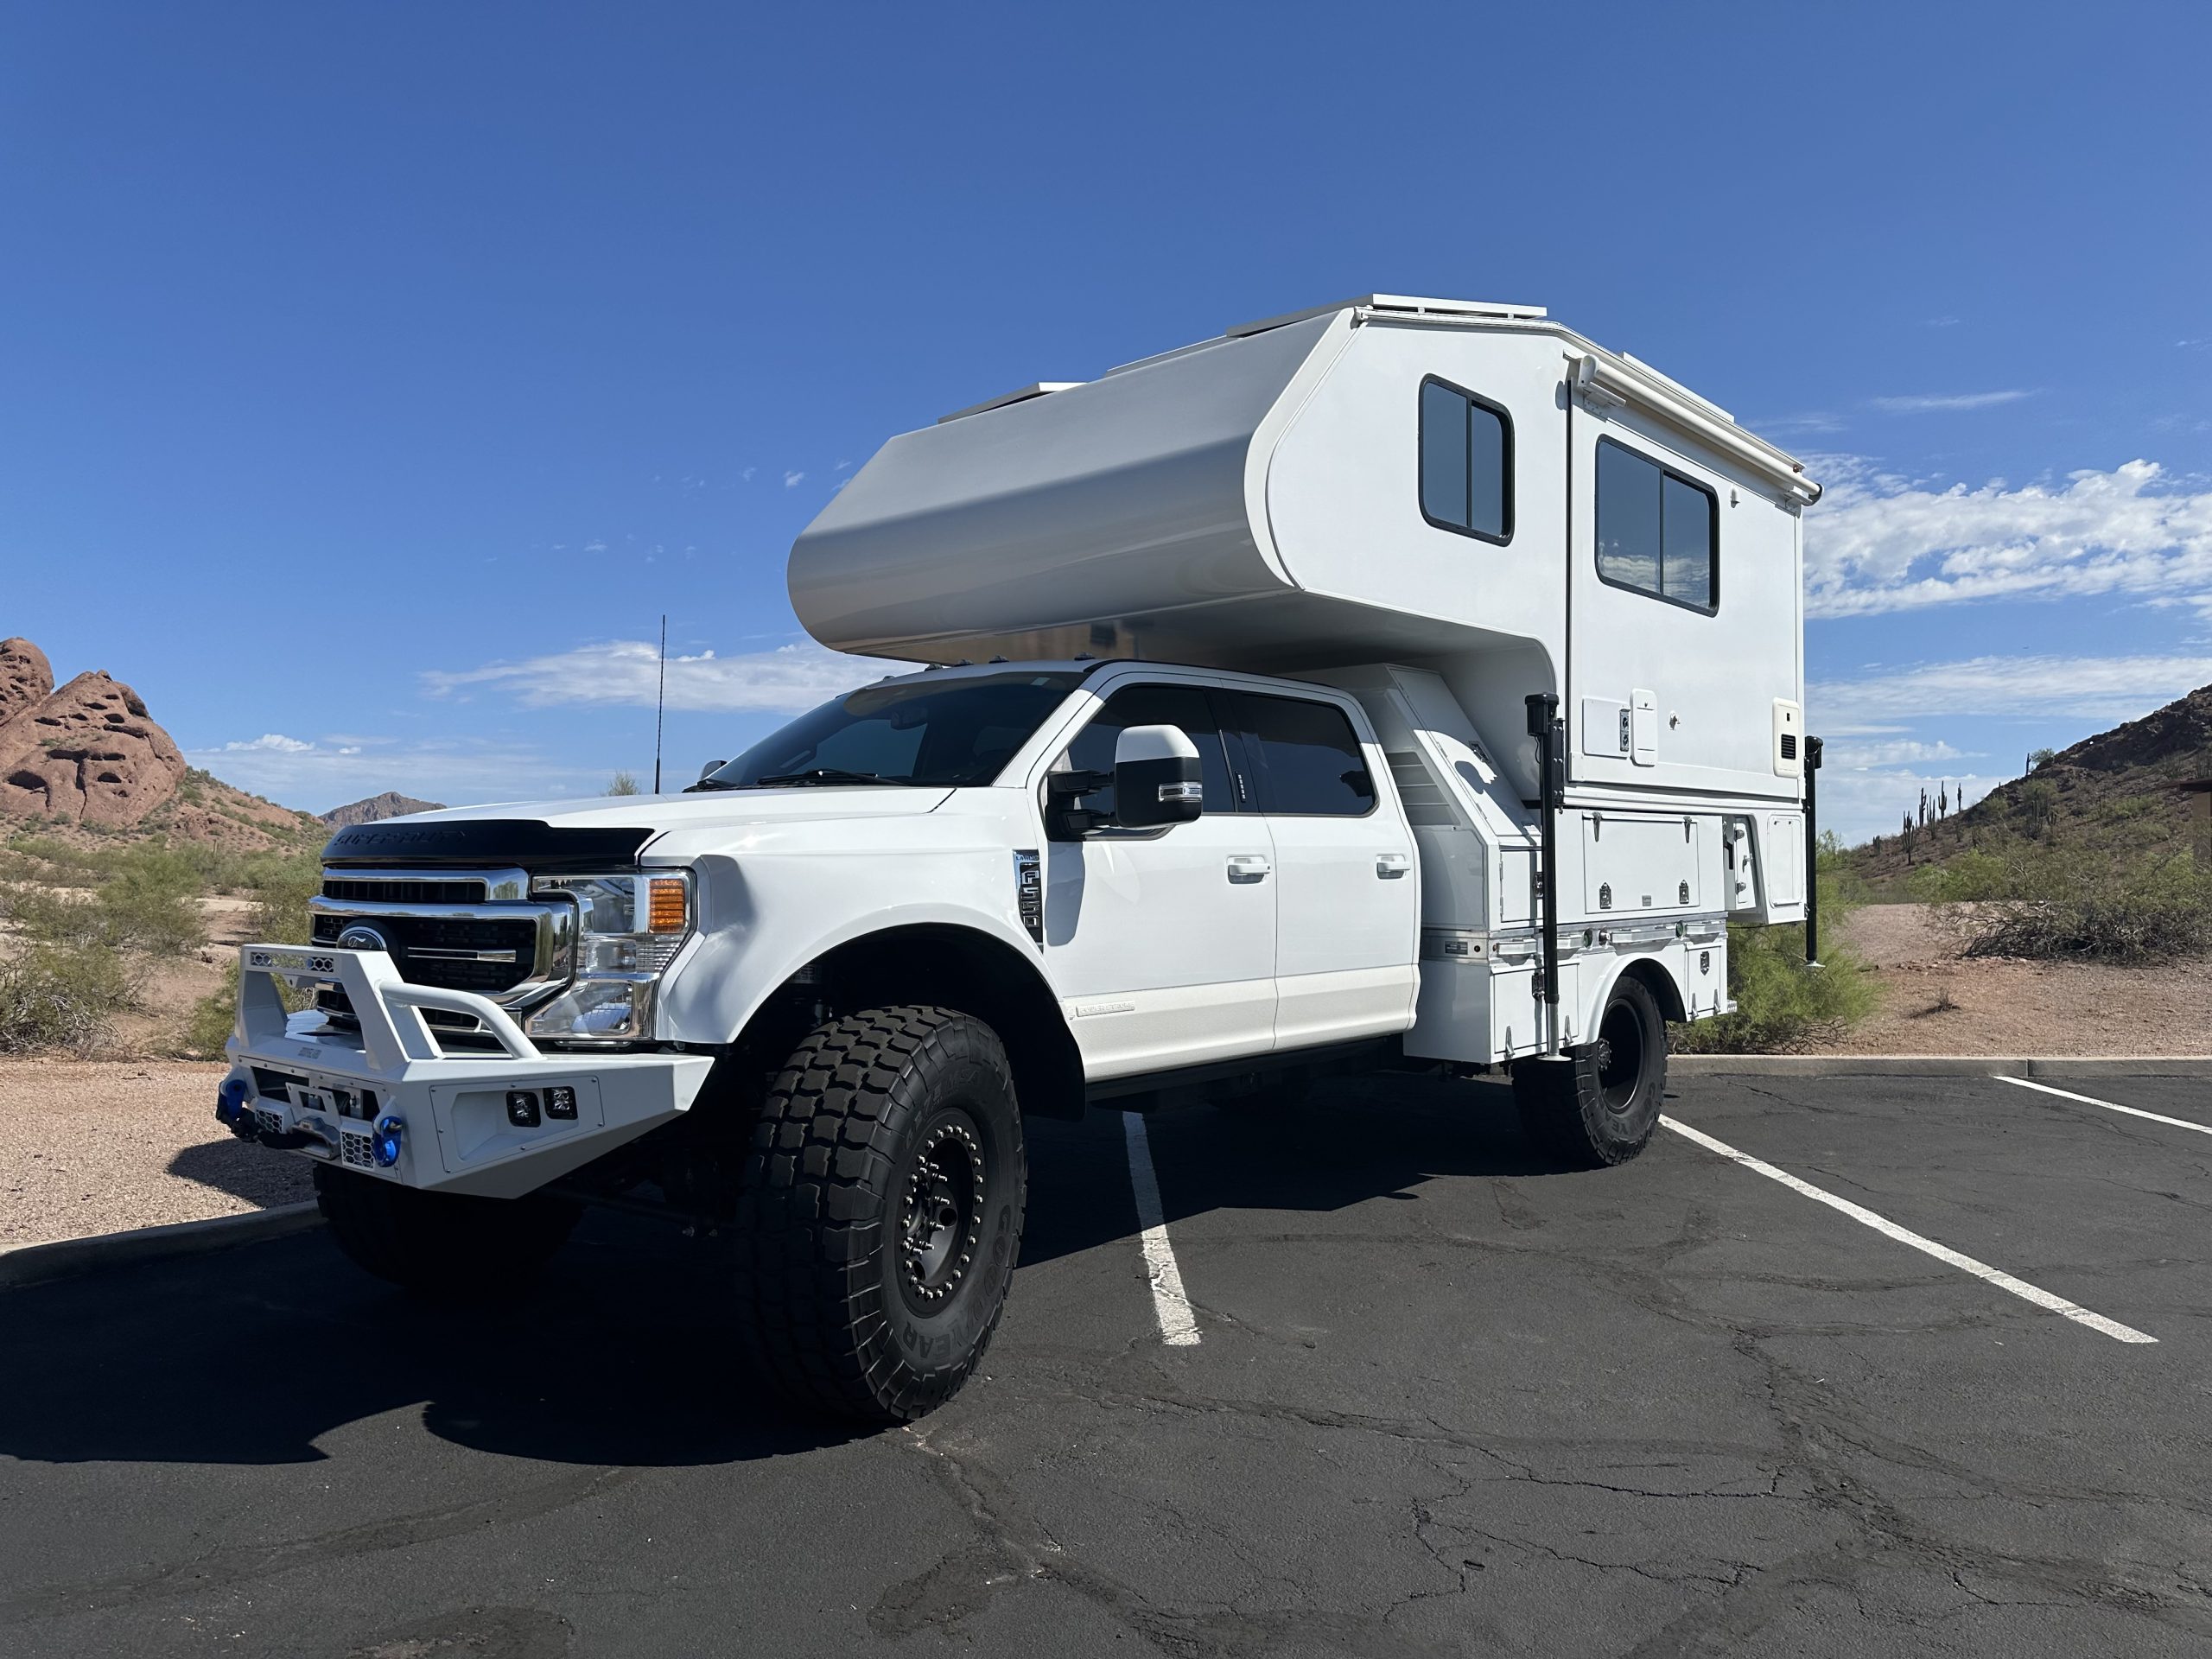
[(99, 1146), (1934, 1002)]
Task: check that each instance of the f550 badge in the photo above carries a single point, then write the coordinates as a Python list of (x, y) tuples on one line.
[(1029, 892)]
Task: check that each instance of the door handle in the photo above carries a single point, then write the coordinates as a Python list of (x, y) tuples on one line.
[(1249, 867), (1390, 865)]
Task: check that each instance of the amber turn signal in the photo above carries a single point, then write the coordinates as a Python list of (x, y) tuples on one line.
[(665, 911)]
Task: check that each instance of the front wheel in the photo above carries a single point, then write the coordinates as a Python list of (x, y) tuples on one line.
[(882, 1212), (1598, 1104)]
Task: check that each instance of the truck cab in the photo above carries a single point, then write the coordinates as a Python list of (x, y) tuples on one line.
[(1221, 767)]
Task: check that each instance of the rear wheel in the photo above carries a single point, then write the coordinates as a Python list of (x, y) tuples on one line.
[(882, 1212), (441, 1245), (1599, 1102)]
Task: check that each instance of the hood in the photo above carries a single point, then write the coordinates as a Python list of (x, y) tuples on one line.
[(601, 830)]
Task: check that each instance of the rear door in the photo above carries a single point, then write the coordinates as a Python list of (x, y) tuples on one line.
[(1348, 898)]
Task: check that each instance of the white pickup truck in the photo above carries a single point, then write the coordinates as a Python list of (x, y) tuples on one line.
[(1353, 691)]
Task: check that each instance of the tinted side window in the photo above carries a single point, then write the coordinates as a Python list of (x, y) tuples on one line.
[(1187, 706), (1658, 532), (1308, 760), (1466, 463)]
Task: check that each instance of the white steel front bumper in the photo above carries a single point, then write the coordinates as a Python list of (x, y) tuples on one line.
[(466, 1115)]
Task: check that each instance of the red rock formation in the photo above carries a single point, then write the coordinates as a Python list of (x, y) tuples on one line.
[(26, 677), (87, 753)]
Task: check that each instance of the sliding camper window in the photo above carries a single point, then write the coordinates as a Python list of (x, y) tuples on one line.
[(1466, 463), (1658, 532)]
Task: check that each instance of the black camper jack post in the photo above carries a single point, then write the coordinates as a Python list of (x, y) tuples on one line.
[(1812, 855)]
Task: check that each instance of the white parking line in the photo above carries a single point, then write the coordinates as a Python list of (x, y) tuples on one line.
[(2110, 1105), (1882, 1224), (1179, 1326)]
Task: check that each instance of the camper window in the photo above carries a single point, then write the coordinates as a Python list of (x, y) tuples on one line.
[(1658, 532), (1466, 463)]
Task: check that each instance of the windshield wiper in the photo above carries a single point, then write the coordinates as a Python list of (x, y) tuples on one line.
[(824, 775)]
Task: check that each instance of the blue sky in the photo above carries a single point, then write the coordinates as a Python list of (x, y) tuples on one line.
[(374, 376)]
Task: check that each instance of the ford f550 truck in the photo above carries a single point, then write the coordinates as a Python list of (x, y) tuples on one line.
[(1405, 683)]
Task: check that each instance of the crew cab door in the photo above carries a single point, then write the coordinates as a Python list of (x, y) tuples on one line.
[(1161, 942), (1348, 898)]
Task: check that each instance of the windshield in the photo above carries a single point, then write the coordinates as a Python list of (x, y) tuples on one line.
[(944, 732)]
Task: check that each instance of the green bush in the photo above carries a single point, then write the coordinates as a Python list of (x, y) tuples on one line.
[(53, 998), (208, 1026), (1781, 1001), (2025, 899), (144, 902), (282, 884)]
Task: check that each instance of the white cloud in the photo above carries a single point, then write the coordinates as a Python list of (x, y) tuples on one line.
[(792, 479), (272, 741), (787, 680), (1896, 751), (1879, 543), (1929, 403), (2103, 688), (747, 473), (1860, 805), (594, 547)]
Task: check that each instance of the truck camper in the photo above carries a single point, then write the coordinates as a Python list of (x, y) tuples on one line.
[(1403, 684)]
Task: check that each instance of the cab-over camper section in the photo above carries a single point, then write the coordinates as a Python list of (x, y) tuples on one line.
[(1447, 508)]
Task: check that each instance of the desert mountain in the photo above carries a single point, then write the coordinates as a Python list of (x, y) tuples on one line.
[(390, 805), (89, 757), (2112, 790)]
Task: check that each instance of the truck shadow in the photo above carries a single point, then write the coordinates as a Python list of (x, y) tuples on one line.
[(1348, 1142), (628, 1353)]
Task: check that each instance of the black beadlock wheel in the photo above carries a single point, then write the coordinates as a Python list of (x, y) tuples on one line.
[(1599, 1102), (881, 1211), (441, 1245)]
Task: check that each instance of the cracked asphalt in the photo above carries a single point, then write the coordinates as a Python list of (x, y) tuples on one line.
[(1447, 1401)]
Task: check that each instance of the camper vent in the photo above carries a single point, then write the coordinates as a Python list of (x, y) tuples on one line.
[(1424, 803), (1790, 746)]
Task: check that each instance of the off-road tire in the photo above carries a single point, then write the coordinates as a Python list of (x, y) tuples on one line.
[(871, 1110), (444, 1246), (1599, 1102)]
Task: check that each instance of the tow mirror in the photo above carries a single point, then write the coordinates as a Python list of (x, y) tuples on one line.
[(710, 769), (1156, 777)]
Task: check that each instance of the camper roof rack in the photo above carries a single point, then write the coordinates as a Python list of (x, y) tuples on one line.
[(1393, 305), (1022, 395)]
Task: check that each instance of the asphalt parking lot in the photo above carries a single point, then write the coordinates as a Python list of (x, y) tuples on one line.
[(1442, 1399)]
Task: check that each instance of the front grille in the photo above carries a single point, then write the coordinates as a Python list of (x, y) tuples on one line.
[(461, 954), (408, 891)]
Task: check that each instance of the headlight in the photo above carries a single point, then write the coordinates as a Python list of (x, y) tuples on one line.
[(629, 929)]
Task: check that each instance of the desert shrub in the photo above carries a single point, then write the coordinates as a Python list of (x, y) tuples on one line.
[(2128, 807), (282, 884), (145, 903), (624, 783), (56, 998), (207, 1026), (1781, 1001), (2030, 900)]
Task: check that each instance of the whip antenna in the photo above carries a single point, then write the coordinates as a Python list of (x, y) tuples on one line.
[(660, 700)]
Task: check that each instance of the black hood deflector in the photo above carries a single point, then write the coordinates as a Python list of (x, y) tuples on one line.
[(486, 843)]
